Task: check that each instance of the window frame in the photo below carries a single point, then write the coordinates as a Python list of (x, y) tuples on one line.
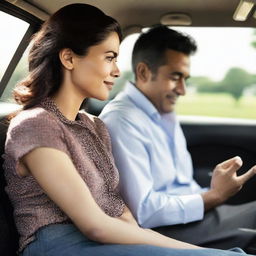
[(34, 25)]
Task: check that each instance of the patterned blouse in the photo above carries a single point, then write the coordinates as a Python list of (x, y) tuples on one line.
[(85, 140)]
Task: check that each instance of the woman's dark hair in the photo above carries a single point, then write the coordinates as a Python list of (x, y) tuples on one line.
[(75, 26), (152, 45)]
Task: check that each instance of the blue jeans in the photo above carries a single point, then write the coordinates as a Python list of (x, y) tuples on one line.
[(67, 240)]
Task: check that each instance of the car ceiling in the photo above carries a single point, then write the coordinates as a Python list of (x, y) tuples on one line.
[(132, 14)]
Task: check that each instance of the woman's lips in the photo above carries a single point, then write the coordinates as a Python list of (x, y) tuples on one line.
[(109, 85)]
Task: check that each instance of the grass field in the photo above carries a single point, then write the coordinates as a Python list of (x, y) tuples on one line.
[(220, 105)]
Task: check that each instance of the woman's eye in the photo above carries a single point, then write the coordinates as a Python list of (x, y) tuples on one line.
[(110, 58)]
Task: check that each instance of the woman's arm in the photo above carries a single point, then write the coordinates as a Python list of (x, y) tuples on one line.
[(58, 177), (128, 217)]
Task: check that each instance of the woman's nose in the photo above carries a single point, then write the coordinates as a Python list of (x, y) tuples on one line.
[(115, 71)]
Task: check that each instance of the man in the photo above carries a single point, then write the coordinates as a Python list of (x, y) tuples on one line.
[(156, 175)]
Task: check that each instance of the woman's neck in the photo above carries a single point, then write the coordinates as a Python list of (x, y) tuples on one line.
[(68, 104)]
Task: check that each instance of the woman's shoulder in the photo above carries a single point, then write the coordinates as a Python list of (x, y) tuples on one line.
[(31, 118), (32, 128)]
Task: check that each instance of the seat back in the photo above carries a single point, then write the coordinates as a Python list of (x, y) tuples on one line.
[(8, 232)]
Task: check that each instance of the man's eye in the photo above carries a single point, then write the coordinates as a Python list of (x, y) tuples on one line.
[(175, 78)]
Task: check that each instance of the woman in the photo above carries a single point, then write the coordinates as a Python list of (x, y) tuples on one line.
[(60, 173)]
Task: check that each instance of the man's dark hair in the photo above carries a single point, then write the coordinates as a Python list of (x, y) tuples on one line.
[(151, 46)]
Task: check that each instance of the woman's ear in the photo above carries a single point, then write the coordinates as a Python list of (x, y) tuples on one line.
[(66, 58), (142, 72)]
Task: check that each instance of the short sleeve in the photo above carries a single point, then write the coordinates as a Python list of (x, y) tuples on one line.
[(32, 129)]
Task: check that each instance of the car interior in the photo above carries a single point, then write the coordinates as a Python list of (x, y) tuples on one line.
[(209, 140)]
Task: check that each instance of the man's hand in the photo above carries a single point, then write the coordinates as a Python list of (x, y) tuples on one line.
[(225, 182)]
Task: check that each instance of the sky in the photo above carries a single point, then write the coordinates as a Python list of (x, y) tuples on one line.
[(219, 49)]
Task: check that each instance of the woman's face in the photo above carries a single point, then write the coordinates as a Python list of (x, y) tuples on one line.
[(93, 75)]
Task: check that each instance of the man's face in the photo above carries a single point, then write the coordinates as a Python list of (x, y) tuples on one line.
[(164, 87)]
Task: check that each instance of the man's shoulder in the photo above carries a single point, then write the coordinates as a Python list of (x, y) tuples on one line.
[(121, 107), (120, 103)]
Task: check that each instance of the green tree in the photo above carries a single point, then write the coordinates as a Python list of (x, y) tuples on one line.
[(205, 84), (235, 81)]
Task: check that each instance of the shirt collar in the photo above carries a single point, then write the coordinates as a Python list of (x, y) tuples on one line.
[(141, 101)]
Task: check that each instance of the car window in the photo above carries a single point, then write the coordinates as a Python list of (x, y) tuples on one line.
[(223, 72), (11, 36), (19, 73)]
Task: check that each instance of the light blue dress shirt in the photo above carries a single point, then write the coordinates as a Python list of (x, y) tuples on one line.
[(156, 175)]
